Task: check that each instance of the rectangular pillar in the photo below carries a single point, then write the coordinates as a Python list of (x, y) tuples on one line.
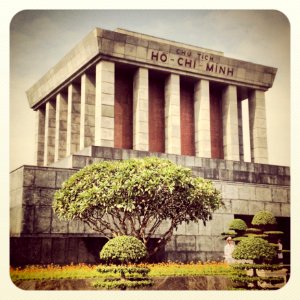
[(40, 136), (172, 114), (156, 114), (61, 126), (123, 109), (258, 127), (240, 121), (104, 105), (202, 119), (50, 122), (140, 109), (73, 120), (216, 121), (230, 123), (87, 111), (187, 117)]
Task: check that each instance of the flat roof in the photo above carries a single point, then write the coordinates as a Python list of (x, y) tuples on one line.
[(143, 50)]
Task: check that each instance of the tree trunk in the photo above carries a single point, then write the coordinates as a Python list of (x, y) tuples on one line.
[(255, 283), (122, 275)]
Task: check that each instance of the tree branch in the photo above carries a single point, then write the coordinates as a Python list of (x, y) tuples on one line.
[(163, 239)]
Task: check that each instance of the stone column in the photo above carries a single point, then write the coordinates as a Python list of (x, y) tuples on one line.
[(240, 121), (140, 110), (40, 136), (202, 119), (230, 123), (61, 126), (50, 122), (87, 111), (258, 127), (172, 114), (104, 105), (73, 121)]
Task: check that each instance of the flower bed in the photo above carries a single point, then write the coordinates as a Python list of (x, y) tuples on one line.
[(83, 271)]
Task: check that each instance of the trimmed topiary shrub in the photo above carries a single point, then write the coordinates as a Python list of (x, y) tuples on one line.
[(122, 285), (266, 222), (273, 236), (263, 218), (253, 230), (236, 229), (118, 253), (123, 250), (261, 235), (261, 253), (238, 224), (254, 248)]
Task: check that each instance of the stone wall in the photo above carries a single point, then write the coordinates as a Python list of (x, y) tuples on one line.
[(57, 250), (246, 188)]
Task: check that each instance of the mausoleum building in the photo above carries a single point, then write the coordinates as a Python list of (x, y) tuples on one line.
[(121, 94)]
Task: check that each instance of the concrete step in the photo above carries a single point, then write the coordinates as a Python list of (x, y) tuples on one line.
[(215, 169), (76, 161)]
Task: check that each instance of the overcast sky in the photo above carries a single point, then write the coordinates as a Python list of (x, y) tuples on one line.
[(38, 39)]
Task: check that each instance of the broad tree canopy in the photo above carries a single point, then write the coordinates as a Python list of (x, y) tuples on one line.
[(134, 197)]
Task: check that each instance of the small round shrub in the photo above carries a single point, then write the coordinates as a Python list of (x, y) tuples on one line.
[(263, 218), (123, 249), (238, 224), (257, 249)]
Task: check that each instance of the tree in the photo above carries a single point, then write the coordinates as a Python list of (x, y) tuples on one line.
[(265, 221), (261, 253), (257, 244), (134, 197)]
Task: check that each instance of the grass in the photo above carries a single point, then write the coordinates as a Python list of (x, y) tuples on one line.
[(84, 271), (192, 269), (35, 272)]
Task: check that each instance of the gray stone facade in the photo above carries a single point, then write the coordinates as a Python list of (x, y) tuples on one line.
[(78, 122), (140, 49), (246, 188), (75, 100)]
